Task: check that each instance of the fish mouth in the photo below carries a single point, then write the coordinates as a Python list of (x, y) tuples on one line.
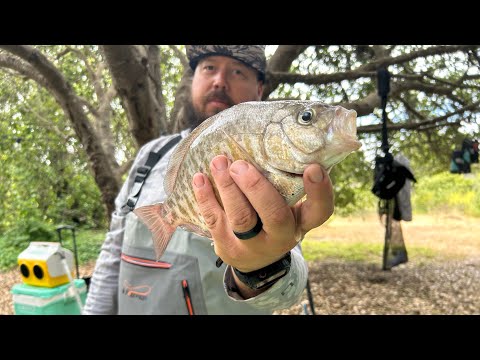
[(351, 143)]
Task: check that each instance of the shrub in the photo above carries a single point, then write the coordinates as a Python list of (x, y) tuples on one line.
[(446, 192)]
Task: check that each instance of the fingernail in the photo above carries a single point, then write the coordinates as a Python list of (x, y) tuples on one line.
[(239, 167), (316, 176), (198, 180), (220, 163)]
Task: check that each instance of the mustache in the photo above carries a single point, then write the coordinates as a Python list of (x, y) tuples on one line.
[(220, 96)]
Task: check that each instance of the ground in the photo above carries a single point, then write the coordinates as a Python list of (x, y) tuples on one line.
[(445, 282), (341, 287), (348, 288)]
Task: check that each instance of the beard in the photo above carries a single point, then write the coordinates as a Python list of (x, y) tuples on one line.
[(200, 116)]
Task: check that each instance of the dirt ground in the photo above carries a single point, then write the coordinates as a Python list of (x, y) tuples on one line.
[(437, 288), (448, 283)]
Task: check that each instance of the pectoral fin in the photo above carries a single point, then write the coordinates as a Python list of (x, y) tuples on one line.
[(242, 152)]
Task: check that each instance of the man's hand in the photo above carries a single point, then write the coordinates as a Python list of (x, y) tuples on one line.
[(244, 192)]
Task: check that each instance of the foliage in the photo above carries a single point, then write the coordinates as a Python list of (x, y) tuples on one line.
[(47, 172), (438, 193), (14, 241), (19, 237), (446, 192), (351, 183), (45, 176), (88, 242), (171, 73)]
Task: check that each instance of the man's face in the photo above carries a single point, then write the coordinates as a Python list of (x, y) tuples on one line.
[(220, 82)]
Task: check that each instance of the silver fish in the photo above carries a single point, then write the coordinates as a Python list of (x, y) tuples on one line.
[(280, 138)]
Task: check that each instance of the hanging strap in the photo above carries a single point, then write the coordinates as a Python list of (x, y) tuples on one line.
[(143, 171), (383, 79)]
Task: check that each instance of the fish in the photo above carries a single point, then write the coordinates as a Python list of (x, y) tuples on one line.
[(280, 138)]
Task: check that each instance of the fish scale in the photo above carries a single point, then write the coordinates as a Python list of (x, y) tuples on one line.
[(280, 138)]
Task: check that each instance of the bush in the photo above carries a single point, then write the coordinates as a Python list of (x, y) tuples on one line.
[(446, 192), (17, 239), (89, 242)]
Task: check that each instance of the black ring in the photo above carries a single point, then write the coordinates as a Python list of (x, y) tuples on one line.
[(250, 233)]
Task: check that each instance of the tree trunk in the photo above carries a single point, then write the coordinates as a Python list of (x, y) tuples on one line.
[(136, 75)]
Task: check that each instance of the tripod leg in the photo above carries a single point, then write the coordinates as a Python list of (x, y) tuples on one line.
[(388, 233), (310, 297)]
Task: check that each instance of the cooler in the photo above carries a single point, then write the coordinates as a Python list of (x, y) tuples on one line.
[(37, 300)]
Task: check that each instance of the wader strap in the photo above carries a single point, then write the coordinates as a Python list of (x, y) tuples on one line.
[(143, 171)]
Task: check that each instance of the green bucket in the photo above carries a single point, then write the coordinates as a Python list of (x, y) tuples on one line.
[(37, 300)]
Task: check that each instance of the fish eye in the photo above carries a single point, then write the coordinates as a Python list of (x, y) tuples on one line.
[(306, 116)]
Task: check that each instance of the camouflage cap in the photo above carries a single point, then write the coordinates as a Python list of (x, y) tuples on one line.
[(252, 55)]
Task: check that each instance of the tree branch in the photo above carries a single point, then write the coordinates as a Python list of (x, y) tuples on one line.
[(182, 112), (364, 106), (280, 62), (366, 70), (46, 123), (416, 125), (426, 88), (410, 109), (22, 68), (181, 56)]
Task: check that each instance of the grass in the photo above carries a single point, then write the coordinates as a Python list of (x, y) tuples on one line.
[(315, 250), (361, 238), (88, 242)]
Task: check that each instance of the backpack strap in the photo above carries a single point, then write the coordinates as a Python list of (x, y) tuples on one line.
[(143, 171)]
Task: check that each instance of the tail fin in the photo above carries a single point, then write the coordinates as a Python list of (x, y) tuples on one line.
[(162, 231)]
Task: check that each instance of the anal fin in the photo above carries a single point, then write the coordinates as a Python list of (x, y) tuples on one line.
[(161, 230)]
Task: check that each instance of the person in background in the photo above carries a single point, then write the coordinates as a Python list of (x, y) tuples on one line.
[(186, 279), (475, 152)]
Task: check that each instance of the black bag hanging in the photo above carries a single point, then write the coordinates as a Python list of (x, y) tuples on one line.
[(389, 175)]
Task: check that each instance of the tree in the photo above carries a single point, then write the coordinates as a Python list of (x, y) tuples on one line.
[(99, 90)]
